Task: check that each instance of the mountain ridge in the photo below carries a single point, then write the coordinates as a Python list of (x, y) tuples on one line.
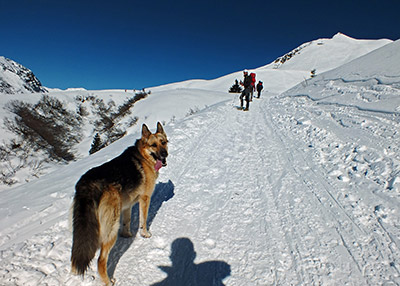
[(15, 78)]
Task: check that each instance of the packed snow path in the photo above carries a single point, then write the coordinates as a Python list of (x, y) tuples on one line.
[(284, 194)]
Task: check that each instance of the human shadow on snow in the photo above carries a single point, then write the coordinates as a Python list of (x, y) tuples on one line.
[(184, 271), (162, 193)]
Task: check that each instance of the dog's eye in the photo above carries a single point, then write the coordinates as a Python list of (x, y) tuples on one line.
[(154, 145)]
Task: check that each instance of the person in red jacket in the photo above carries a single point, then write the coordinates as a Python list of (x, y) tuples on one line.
[(253, 85)]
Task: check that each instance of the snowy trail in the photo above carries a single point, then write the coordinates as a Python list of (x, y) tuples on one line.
[(254, 195), (348, 194), (244, 182)]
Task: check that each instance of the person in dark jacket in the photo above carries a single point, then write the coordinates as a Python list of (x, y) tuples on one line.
[(259, 88), (246, 83)]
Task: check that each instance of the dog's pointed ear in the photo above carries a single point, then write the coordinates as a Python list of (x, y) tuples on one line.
[(145, 131), (160, 129)]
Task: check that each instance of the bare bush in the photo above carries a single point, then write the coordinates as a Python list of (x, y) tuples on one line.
[(15, 156), (46, 126), (109, 120)]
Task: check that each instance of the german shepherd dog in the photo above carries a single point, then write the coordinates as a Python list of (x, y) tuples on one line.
[(105, 192)]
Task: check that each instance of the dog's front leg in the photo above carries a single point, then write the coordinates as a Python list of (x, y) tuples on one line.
[(126, 222), (144, 203)]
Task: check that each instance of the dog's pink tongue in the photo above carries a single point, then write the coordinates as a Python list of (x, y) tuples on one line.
[(158, 165)]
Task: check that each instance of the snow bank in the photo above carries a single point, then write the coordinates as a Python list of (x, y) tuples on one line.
[(371, 82)]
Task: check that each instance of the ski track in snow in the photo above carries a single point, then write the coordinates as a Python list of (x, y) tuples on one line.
[(289, 178)]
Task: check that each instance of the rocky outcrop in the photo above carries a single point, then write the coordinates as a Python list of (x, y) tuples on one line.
[(15, 78)]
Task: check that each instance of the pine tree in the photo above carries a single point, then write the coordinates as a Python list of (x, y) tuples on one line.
[(96, 144)]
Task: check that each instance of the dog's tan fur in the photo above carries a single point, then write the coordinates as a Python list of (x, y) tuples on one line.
[(107, 191)]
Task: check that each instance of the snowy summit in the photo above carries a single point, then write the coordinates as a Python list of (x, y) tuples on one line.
[(15, 78), (303, 189)]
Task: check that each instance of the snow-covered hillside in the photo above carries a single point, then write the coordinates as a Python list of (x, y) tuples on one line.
[(15, 78), (303, 189), (370, 82), (278, 76), (331, 53)]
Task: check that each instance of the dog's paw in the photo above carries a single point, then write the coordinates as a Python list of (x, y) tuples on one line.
[(145, 233), (111, 282), (126, 234)]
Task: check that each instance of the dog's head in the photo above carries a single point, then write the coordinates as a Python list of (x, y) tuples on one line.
[(155, 145)]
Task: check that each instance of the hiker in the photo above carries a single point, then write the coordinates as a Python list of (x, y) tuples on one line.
[(259, 88), (253, 85), (246, 83)]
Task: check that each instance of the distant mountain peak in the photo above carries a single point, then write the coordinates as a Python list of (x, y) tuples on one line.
[(341, 36), (326, 53), (15, 78)]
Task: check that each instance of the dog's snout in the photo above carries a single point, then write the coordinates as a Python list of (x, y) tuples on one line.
[(164, 153)]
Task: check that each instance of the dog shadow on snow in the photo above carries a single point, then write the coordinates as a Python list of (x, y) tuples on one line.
[(162, 193)]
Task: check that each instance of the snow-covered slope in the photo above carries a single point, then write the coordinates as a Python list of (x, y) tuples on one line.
[(297, 191), (15, 78), (331, 53), (295, 66), (370, 82), (165, 106), (269, 77)]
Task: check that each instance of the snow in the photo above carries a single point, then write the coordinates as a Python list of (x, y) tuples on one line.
[(14, 78), (303, 189), (331, 53), (375, 88)]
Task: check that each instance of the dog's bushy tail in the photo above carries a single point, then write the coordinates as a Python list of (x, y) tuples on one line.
[(85, 232)]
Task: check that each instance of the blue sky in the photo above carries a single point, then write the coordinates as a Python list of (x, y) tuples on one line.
[(136, 44)]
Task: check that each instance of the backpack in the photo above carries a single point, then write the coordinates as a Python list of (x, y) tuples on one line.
[(247, 81), (253, 79)]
